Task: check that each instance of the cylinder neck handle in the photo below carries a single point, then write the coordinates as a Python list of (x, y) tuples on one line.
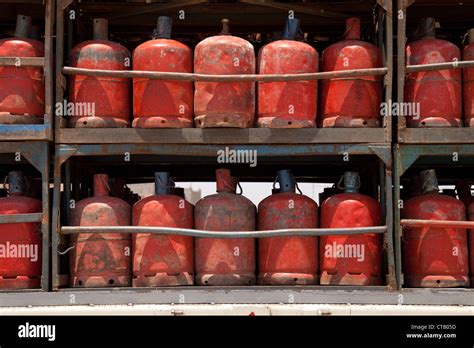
[(163, 28), (225, 27), (427, 28), (101, 29), (23, 26), (163, 183), (292, 29), (286, 180), (352, 29), (225, 182), (349, 182), (17, 183), (101, 185), (429, 181)]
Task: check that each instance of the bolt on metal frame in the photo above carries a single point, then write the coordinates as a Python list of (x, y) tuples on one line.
[(424, 135), (44, 131), (317, 135), (64, 153), (37, 154)]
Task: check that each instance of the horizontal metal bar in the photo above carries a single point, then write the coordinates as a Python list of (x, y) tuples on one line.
[(224, 234), (440, 66), (437, 223), (20, 218), (160, 75), (22, 61)]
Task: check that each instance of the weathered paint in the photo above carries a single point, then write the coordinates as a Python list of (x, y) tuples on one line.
[(100, 260), (287, 104), (224, 104), (287, 260), (437, 92), (225, 261), (351, 209), (434, 257), (21, 248), (351, 102), (162, 260), (162, 104), (110, 96), (468, 82), (22, 89)]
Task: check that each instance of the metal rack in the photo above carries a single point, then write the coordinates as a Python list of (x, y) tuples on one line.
[(120, 10), (310, 162), (44, 130), (36, 154), (426, 8)]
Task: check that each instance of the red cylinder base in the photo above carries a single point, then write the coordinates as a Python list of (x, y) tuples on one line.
[(350, 122), (434, 122), (277, 122), (349, 279), (97, 122), (19, 282), (436, 281), (280, 278), (87, 280), (162, 122), (230, 279), (7, 118), (221, 120), (163, 279)]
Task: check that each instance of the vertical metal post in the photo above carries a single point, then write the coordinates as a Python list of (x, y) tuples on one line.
[(396, 216), (401, 42), (48, 64), (43, 148), (389, 222), (60, 79), (55, 225)]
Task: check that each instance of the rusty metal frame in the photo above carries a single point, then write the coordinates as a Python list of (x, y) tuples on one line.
[(408, 135), (405, 156), (44, 131), (37, 154), (134, 135), (65, 152)]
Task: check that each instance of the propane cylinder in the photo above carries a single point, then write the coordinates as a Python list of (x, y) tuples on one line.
[(100, 259), (20, 243), (288, 104), (351, 101), (21, 88), (351, 259), (468, 81), (222, 261), (287, 260), (434, 257), (224, 104), (162, 260), (438, 92), (99, 102), (159, 103)]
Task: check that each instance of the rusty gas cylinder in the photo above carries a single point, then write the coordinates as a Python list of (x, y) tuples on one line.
[(434, 257), (165, 260), (97, 101), (438, 92), (100, 259), (224, 104), (162, 103), (21, 88), (351, 259), (20, 243), (222, 261), (287, 260), (288, 104), (351, 101), (468, 81)]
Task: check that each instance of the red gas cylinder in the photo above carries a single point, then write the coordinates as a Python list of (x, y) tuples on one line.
[(438, 93), (351, 259), (162, 260), (351, 101), (224, 104), (21, 88), (101, 259), (159, 103), (225, 261), (288, 104), (20, 243), (287, 260), (434, 257), (99, 102), (468, 81)]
